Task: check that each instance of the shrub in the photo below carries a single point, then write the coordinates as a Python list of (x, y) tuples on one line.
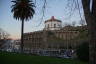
[(83, 51)]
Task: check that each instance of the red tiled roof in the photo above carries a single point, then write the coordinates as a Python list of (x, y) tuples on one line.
[(52, 19)]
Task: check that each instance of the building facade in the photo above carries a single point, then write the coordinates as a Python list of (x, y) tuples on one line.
[(52, 39)]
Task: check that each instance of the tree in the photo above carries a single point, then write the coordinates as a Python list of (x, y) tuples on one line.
[(66, 24), (73, 23), (3, 37), (91, 22), (82, 22), (23, 10), (3, 34)]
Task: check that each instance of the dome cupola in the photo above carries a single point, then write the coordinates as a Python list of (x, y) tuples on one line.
[(53, 24)]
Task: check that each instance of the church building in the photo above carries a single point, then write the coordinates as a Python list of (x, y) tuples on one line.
[(52, 39)]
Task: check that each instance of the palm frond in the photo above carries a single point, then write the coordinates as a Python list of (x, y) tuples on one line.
[(23, 9)]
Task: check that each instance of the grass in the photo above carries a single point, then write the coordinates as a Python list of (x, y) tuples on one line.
[(13, 58)]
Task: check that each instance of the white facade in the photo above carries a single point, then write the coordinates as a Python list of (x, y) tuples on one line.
[(17, 45), (53, 24)]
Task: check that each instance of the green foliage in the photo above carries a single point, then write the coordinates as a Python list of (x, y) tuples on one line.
[(13, 58), (23, 9), (83, 51), (83, 34)]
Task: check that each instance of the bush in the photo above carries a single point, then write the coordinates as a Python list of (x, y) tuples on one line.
[(83, 51)]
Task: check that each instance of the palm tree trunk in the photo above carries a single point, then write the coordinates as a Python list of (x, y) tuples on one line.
[(91, 22), (22, 31)]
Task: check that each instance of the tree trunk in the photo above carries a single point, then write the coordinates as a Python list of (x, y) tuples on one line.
[(22, 31), (90, 20), (92, 43)]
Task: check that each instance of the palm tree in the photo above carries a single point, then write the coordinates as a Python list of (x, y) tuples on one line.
[(23, 10)]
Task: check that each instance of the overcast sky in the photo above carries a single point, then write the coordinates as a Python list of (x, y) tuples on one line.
[(57, 8)]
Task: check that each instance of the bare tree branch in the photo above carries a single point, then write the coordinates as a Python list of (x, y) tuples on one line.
[(43, 12)]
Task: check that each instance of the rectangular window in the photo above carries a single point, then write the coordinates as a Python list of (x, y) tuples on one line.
[(54, 25)]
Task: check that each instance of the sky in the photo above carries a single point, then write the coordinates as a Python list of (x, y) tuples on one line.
[(57, 8)]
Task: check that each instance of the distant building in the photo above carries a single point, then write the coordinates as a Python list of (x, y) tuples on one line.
[(52, 39), (17, 45)]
